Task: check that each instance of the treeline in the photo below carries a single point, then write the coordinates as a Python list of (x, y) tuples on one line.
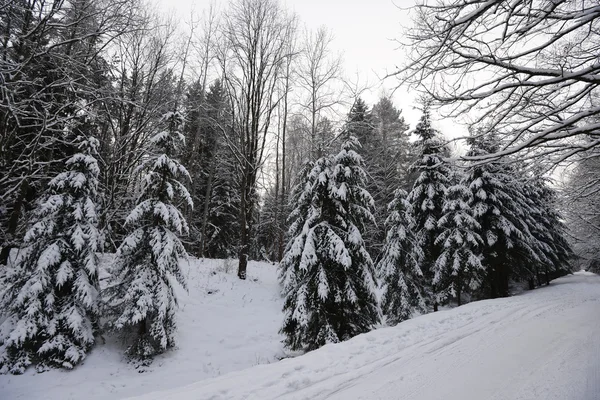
[(462, 232)]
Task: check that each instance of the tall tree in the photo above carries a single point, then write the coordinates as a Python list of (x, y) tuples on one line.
[(498, 206), (50, 294), (255, 33), (458, 270), (140, 296), (403, 283), (580, 204), (319, 70), (389, 157), (548, 229), (210, 162), (427, 198), (144, 88), (327, 273)]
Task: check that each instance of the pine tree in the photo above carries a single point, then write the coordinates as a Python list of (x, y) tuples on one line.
[(211, 164), (140, 296), (427, 198), (389, 162), (499, 207), (51, 292), (549, 232), (458, 269), (398, 269), (329, 277), (301, 198)]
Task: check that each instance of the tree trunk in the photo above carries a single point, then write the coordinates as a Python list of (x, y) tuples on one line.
[(245, 214), (458, 290), (13, 222), (207, 197)]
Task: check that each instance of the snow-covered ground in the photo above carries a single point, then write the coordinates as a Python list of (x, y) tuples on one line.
[(543, 344), (225, 325)]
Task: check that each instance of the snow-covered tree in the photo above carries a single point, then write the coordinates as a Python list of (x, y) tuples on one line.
[(547, 228), (301, 198), (398, 269), (427, 197), (50, 294), (140, 297), (329, 281), (458, 269), (498, 205), (382, 134)]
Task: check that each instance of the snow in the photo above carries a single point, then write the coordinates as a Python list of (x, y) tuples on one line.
[(541, 344), (225, 325)]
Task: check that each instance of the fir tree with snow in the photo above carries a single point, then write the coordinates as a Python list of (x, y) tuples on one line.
[(499, 206), (550, 234), (330, 291), (50, 296), (458, 269), (141, 296), (398, 269), (427, 198), (301, 197)]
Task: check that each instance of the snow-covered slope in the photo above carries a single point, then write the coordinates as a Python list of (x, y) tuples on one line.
[(543, 344), (224, 325)]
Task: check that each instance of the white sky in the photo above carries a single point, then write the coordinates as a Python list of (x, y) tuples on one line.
[(364, 33)]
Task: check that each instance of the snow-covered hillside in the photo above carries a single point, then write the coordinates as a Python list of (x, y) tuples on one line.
[(543, 344), (225, 325)]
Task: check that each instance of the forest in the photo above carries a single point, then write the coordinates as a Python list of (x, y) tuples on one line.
[(238, 135)]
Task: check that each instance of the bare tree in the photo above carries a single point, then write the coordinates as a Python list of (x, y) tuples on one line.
[(319, 70), (145, 88), (255, 33), (283, 111), (526, 69)]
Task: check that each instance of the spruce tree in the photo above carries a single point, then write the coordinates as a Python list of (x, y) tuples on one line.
[(548, 230), (329, 280), (301, 198), (140, 296), (398, 269), (50, 295), (427, 199), (458, 269), (388, 160), (499, 207)]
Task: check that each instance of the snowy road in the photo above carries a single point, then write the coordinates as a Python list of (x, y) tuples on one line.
[(543, 344)]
